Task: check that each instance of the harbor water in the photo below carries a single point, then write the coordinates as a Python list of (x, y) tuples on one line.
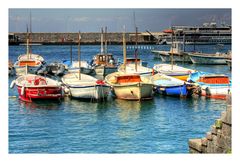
[(161, 125)]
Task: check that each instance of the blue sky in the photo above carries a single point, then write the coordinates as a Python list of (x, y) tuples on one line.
[(91, 20)]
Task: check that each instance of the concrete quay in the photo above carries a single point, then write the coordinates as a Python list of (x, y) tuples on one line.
[(86, 38)]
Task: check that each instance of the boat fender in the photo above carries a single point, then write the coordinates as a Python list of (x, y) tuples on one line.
[(66, 90), (208, 93), (22, 90), (152, 71), (12, 84), (100, 82)]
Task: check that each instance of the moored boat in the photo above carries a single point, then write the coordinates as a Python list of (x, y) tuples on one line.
[(31, 56), (212, 85), (130, 86), (32, 87), (176, 53), (135, 66), (104, 62), (54, 68), (171, 86), (27, 66), (210, 59), (74, 66), (173, 71), (85, 86), (28, 63)]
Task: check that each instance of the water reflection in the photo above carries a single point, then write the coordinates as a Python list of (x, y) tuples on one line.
[(39, 104), (128, 110)]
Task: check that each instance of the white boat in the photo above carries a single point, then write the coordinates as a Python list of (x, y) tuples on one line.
[(173, 71), (215, 91), (134, 66), (85, 86), (176, 53), (210, 59), (74, 66), (212, 85), (27, 63), (23, 67), (130, 86), (31, 56)]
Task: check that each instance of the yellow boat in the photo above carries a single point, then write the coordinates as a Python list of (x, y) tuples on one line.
[(174, 71), (130, 86)]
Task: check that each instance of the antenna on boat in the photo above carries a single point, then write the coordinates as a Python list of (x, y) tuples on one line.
[(105, 37), (136, 49), (79, 56), (136, 39), (28, 44), (124, 49), (30, 47), (172, 47), (101, 40), (70, 51)]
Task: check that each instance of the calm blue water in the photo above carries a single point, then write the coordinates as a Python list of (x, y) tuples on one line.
[(162, 125)]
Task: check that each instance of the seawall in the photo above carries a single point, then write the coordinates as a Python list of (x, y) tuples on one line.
[(218, 139), (86, 38)]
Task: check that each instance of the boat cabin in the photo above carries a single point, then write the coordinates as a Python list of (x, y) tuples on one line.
[(104, 59)]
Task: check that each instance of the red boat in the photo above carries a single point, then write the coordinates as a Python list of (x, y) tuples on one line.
[(32, 87)]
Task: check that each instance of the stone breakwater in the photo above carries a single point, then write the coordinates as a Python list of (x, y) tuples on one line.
[(86, 38), (218, 139)]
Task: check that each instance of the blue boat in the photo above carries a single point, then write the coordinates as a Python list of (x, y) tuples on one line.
[(170, 86)]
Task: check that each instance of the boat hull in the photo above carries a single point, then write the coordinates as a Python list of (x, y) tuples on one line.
[(30, 93), (207, 60), (89, 92), (217, 92), (180, 90), (103, 70), (137, 91), (176, 58)]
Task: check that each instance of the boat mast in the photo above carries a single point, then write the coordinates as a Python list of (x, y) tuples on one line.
[(136, 49), (105, 37), (172, 48), (70, 51), (79, 56), (102, 41), (30, 47), (124, 50), (28, 44)]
